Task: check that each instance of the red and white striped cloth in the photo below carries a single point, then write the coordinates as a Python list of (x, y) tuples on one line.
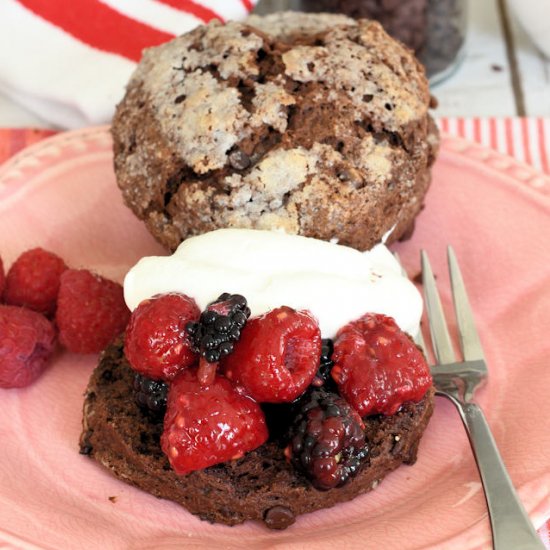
[(69, 60), (526, 139)]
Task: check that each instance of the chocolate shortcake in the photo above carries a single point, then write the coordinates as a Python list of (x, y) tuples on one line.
[(261, 376), (261, 486), (314, 124)]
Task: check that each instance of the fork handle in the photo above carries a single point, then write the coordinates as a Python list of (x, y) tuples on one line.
[(511, 526)]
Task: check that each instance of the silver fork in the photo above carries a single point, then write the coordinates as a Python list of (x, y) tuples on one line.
[(458, 380)]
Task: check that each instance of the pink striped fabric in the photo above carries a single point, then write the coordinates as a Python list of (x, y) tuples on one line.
[(526, 139)]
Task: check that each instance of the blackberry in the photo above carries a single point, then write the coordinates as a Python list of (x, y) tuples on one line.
[(327, 440), (219, 327), (323, 378), (150, 395)]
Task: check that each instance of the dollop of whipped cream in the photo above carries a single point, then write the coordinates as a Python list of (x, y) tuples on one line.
[(335, 283)]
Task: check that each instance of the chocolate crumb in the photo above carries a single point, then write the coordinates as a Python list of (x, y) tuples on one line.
[(113, 499)]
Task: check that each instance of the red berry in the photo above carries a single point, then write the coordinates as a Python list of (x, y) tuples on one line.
[(277, 356), (90, 311), (208, 425), (2, 279), (33, 281), (157, 344), (27, 341), (377, 367)]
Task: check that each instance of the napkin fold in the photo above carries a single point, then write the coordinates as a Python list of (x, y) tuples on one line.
[(68, 62)]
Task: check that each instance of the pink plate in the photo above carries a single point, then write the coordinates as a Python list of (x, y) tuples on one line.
[(61, 194)]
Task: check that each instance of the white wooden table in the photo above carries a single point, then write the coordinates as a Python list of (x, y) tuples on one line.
[(502, 75)]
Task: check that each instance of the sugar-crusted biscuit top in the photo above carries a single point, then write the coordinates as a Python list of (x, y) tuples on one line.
[(287, 121), (194, 82)]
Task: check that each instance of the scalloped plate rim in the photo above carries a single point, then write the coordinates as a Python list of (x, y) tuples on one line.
[(458, 148)]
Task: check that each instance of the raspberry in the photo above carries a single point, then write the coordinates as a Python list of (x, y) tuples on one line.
[(377, 366), (150, 395), (33, 281), (208, 425), (27, 341), (327, 440), (2, 279), (277, 356), (90, 311), (157, 344)]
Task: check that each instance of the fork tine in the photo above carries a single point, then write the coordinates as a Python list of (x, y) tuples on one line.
[(418, 339), (469, 339), (441, 340)]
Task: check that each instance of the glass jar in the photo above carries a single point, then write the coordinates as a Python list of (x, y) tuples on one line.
[(434, 29), (443, 48)]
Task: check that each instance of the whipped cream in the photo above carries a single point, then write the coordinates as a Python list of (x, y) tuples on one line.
[(337, 284)]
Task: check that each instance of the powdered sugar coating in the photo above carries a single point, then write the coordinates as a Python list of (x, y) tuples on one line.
[(300, 122), (285, 24), (354, 59)]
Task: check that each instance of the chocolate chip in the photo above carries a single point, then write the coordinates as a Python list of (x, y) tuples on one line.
[(279, 517), (85, 445), (350, 176), (239, 160), (86, 449)]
